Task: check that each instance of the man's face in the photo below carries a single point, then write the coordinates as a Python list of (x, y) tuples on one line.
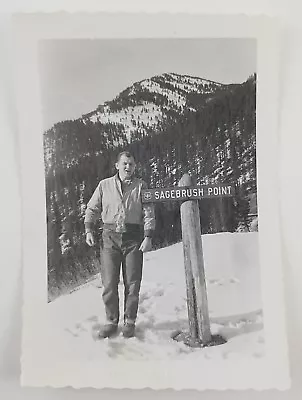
[(125, 167)]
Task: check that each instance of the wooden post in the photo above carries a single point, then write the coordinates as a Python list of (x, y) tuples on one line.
[(198, 313)]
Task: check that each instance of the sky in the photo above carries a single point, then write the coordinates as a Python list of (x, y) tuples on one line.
[(78, 75)]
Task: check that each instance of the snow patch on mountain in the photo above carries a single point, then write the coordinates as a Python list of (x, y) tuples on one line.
[(192, 84), (131, 118), (173, 97)]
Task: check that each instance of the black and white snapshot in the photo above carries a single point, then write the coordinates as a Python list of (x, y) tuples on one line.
[(151, 198)]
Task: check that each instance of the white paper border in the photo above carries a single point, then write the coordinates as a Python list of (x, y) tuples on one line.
[(270, 372)]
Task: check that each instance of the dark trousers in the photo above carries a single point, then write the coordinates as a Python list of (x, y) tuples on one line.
[(121, 249)]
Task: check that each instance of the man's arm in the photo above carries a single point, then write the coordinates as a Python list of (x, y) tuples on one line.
[(148, 216), (149, 227), (149, 224), (149, 219), (94, 209)]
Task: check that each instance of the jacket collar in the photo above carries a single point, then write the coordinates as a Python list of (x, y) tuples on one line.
[(118, 179), (119, 182)]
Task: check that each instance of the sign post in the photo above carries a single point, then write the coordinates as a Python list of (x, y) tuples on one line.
[(194, 267), (198, 314)]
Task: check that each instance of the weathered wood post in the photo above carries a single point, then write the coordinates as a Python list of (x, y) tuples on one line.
[(198, 313)]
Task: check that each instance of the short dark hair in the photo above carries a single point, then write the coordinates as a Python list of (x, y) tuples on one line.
[(124, 153)]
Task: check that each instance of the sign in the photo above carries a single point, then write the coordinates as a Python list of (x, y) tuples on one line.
[(187, 193)]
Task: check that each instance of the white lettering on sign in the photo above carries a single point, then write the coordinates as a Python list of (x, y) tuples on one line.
[(186, 193), (219, 190)]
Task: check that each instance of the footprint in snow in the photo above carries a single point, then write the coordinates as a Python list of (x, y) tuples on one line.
[(258, 355), (94, 318), (221, 282), (74, 334), (158, 292), (213, 281), (143, 297), (142, 310)]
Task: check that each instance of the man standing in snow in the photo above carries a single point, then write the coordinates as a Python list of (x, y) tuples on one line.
[(128, 226)]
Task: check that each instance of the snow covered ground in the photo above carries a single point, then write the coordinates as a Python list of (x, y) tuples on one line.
[(233, 283)]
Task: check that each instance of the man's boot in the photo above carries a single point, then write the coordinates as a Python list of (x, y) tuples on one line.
[(107, 331), (128, 330)]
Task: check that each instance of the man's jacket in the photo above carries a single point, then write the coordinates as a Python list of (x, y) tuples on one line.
[(115, 206)]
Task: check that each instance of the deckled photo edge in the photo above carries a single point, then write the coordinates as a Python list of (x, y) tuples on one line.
[(28, 110)]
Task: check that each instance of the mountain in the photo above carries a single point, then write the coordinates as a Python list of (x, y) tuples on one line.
[(173, 124), (150, 103), (145, 107)]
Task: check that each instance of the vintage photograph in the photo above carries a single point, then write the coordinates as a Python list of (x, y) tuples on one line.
[(121, 116), (150, 222)]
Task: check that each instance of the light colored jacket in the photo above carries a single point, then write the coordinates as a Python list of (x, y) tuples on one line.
[(114, 206)]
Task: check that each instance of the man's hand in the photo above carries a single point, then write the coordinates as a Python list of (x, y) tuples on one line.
[(146, 245), (90, 239)]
